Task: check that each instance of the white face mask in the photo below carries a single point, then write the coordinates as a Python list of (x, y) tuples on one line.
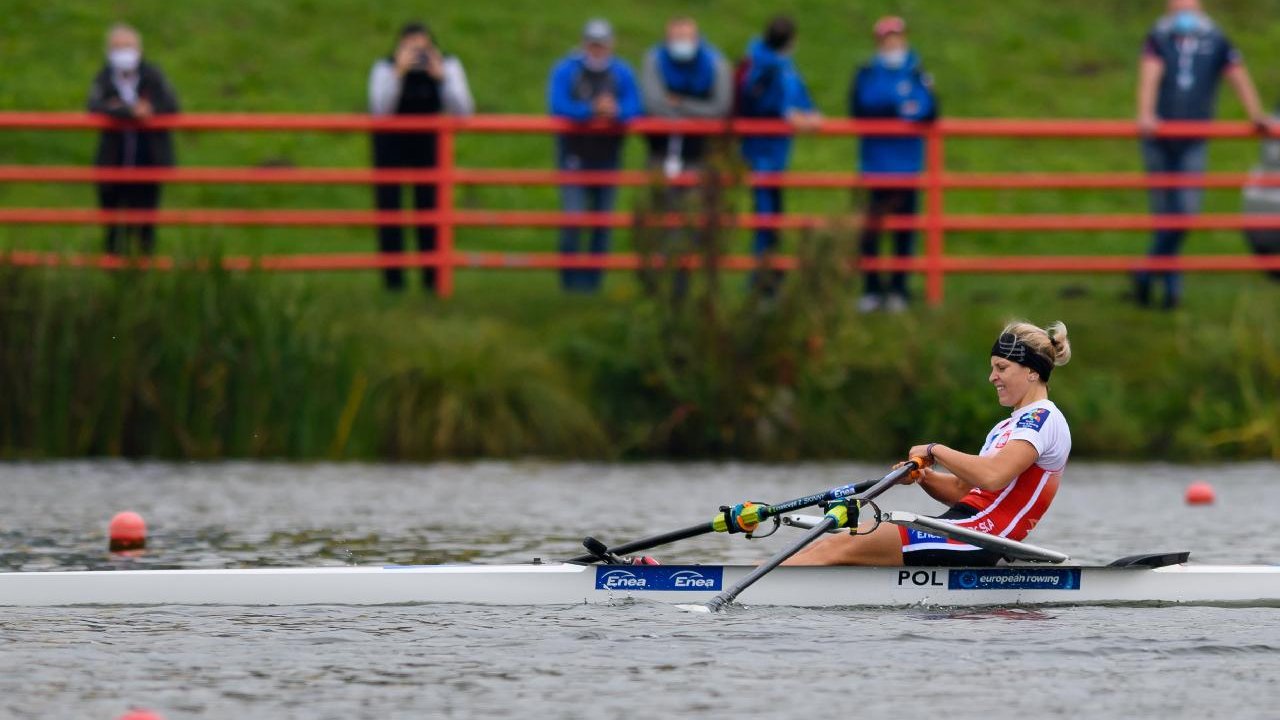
[(682, 50), (124, 59), (893, 59)]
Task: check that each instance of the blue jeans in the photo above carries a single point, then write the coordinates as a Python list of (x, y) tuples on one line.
[(766, 201), (584, 198), (1171, 156)]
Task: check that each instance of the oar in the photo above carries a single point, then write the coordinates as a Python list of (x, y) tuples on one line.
[(837, 516), (751, 515)]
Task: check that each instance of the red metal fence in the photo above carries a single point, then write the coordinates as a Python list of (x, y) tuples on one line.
[(933, 221)]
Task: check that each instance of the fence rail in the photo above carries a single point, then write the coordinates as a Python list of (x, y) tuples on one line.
[(933, 182)]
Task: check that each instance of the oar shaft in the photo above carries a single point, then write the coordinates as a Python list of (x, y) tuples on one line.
[(730, 594), (809, 501), (652, 542)]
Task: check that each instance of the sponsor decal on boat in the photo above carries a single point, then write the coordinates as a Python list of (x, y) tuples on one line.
[(1018, 578), (657, 577)]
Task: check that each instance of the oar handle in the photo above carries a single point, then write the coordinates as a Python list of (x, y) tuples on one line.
[(888, 481)]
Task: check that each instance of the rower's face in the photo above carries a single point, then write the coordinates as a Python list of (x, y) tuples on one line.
[(1011, 380)]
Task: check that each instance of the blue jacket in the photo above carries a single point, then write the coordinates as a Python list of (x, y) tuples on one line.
[(904, 93), (771, 88), (565, 97)]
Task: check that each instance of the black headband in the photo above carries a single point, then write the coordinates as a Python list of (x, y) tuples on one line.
[(1009, 347)]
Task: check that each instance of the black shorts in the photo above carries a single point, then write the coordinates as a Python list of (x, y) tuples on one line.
[(923, 549)]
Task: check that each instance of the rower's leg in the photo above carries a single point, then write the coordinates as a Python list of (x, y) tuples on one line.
[(882, 546)]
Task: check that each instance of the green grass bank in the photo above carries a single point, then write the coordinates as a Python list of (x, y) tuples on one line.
[(210, 365)]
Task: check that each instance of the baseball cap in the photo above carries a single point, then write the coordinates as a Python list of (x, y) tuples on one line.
[(597, 30), (890, 24)]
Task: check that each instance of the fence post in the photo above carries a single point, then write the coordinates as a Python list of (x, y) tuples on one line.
[(935, 159), (444, 208)]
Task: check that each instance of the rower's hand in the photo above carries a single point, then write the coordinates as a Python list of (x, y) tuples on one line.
[(914, 476), (922, 458)]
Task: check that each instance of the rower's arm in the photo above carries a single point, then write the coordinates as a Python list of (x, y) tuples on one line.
[(992, 472), (944, 487)]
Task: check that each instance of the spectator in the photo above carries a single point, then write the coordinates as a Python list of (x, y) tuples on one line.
[(1184, 58), (130, 88), (891, 86), (769, 86), (590, 84), (416, 79), (684, 77)]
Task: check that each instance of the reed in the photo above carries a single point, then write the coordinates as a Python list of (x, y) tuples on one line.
[(202, 364), (208, 364)]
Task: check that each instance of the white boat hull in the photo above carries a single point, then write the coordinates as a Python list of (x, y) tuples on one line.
[(557, 584)]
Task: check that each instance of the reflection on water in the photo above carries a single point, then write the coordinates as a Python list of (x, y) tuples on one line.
[(991, 614)]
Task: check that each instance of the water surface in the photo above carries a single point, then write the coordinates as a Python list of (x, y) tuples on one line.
[(633, 659)]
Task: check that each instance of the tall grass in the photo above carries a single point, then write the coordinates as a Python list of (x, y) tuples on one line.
[(210, 364), (185, 364)]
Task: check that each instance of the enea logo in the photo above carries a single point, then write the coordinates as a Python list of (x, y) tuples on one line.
[(619, 580), (688, 579), (655, 578)]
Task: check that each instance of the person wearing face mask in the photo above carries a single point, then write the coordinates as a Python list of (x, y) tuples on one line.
[(768, 85), (1183, 59), (132, 89), (416, 79), (683, 77), (591, 84), (892, 86)]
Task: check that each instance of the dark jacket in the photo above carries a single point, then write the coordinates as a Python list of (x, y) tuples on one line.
[(1193, 61), (570, 92), (152, 147), (901, 93)]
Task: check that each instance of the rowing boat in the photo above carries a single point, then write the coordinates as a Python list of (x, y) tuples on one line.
[(569, 583), (1029, 575)]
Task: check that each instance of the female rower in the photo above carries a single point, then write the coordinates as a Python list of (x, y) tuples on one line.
[(1003, 490)]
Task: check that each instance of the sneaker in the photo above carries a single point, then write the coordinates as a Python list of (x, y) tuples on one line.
[(896, 304), (869, 304)]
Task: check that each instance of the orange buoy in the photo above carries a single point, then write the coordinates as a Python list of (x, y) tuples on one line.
[(128, 531), (1200, 493)]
